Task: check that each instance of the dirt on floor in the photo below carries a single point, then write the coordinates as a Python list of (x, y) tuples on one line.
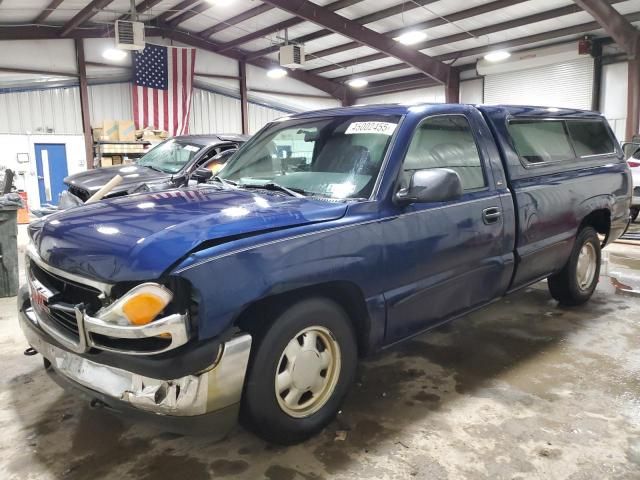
[(523, 389)]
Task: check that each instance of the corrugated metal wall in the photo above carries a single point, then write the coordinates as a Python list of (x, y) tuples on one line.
[(54, 110), (260, 115), (566, 85), (216, 113), (111, 101)]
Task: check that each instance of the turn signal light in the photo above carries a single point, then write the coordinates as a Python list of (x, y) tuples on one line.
[(633, 164), (138, 306)]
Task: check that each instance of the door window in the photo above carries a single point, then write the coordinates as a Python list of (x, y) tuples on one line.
[(445, 142)]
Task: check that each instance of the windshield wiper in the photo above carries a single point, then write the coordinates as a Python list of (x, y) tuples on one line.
[(155, 168), (225, 183), (297, 192)]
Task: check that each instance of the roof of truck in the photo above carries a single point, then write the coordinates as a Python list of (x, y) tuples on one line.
[(404, 108), (213, 138)]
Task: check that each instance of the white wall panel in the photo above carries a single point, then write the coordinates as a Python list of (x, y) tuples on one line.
[(260, 115), (426, 95), (613, 96), (567, 85), (472, 91), (214, 113), (111, 101), (55, 110)]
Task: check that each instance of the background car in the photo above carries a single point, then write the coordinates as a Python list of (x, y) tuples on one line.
[(634, 166), (172, 162)]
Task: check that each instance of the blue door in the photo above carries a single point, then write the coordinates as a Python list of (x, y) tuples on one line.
[(445, 258), (51, 164)]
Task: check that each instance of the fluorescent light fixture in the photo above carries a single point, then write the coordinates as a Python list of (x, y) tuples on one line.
[(114, 54), (497, 56), (358, 83), (411, 37), (277, 72)]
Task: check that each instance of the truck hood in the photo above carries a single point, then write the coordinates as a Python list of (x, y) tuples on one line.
[(138, 237), (132, 176)]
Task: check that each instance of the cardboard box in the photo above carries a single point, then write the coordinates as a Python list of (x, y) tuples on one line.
[(106, 162), (110, 131), (97, 133), (126, 131), (116, 159)]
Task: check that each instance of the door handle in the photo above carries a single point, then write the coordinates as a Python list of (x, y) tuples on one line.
[(491, 215)]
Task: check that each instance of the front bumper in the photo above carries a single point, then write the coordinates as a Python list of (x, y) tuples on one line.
[(212, 394)]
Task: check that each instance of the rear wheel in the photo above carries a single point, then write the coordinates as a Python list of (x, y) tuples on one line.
[(301, 368), (576, 282), (634, 213)]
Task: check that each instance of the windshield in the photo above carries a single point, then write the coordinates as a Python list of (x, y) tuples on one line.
[(170, 156), (337, 157)]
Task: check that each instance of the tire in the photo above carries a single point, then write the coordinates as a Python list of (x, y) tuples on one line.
[(633, 213), (269, 405), (576, 282)]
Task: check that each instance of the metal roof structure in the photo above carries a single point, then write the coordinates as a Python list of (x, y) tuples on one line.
[(343, 39)]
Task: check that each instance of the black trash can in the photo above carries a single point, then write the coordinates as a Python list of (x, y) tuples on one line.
[(8, 251)]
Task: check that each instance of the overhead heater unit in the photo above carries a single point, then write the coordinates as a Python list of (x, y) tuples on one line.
[(292, 56), (129, 35)]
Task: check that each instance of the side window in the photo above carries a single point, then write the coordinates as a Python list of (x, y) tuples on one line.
[(539, 141), (590, 137), (446, 142)]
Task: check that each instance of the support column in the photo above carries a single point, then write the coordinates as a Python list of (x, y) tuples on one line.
[(84, 102), (452, 87), (244, 103), (633, 100), (348, 99)]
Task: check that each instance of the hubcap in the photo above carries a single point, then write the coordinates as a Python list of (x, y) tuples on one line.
[(307, 372), (586, 267)]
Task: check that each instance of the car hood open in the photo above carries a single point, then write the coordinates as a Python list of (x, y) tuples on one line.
[(132, 176), (139, 237)]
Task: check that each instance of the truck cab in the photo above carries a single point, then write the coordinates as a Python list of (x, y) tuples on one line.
[(328, 236)]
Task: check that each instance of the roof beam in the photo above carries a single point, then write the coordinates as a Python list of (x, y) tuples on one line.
[(254, 12), (387, 46), (83, 15), (175, 10), (290, 22), (47, 11), (509, 44), (457, 37), (435, 22), (190, 13), (614, 23), (326, 85), (142, 7), (372, 17)]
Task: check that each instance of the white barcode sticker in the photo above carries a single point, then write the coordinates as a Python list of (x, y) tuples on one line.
[(381, 128)]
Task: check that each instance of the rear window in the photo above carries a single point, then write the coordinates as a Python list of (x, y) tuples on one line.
[(540, 141), (590, 137), (545, 141)]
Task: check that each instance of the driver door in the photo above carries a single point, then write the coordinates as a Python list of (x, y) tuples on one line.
[(444, 258)]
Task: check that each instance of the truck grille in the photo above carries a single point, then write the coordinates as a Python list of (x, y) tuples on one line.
[(58, 299)]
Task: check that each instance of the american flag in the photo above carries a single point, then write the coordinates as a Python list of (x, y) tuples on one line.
[(162, 88)]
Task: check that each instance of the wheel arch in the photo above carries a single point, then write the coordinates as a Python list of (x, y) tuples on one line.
[(600, 220), (346, 294)]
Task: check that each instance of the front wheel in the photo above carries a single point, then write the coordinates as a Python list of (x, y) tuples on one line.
[(576, 282), (633, 212), (302, 367)]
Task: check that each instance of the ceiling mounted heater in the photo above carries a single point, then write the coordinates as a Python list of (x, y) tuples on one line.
[(129, 35)]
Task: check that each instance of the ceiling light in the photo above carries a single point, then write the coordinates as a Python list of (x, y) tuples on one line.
[(114, 54), (277, 72), (411, 38), (497, 56), (358, 83)]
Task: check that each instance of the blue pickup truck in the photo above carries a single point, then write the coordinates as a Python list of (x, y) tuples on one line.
[(328, 236)]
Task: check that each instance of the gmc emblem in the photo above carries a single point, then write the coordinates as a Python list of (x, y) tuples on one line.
[(40, 295)]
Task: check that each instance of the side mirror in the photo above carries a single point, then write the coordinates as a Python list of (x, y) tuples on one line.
[(431, 185), (201, 175)]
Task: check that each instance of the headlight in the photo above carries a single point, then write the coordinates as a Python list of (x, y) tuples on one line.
[(138, 306)]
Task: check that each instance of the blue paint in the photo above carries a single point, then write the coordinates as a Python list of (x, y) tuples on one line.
[(57, 156), (413, 266)]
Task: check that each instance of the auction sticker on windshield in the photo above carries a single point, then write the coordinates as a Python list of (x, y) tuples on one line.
[(381, 128)]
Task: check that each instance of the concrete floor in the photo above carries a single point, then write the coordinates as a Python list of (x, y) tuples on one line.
[(521, 390)]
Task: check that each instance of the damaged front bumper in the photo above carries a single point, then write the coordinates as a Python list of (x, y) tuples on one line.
[(213, 393)]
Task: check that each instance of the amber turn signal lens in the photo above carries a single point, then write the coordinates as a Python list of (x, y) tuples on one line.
[(143, 308)]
